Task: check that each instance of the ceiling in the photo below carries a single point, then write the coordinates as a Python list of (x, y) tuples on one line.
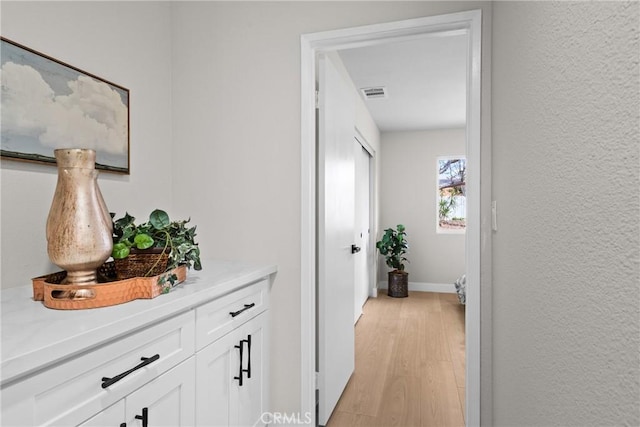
[(425, 81)]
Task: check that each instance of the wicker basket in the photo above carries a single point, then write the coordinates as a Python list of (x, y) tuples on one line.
[(142, 263)]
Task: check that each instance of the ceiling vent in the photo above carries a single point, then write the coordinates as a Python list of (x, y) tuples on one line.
[(374, 92)]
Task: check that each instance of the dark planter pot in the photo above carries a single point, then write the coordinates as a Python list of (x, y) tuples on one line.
[(398, 284)]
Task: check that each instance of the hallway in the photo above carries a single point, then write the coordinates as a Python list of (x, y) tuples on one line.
[(410, 363)]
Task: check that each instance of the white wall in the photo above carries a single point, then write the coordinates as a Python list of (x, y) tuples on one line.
[(408, 196), (364, 122), (566, 320), (224, 79), (236, 109), (123, 42)]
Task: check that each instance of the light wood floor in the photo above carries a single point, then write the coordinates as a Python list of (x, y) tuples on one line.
[(409, 368)]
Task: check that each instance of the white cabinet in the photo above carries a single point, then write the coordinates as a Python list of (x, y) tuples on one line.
[(82, 386), (166, 401), (231, 377), (176, 360), (232, 362)]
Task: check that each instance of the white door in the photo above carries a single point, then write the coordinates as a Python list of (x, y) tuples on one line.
[(361, 237), (336, 176)]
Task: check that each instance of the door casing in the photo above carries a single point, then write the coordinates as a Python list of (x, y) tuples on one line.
[(470, 23)]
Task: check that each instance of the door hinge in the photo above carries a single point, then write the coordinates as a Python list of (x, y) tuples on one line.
[(315, 381), (317, 100)]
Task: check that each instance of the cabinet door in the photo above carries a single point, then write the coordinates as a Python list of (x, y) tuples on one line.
[(221, 399), (112, 416), (216, 366), (249, 400), (168, 400)]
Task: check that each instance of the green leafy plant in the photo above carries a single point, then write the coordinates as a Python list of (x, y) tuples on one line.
[(393, 246), (166, 282), (158, 232)]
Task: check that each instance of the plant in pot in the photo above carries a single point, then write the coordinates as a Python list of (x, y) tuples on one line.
[(393, 246), (154, 247)]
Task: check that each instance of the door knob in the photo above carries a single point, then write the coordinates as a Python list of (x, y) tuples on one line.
[(355, 249)]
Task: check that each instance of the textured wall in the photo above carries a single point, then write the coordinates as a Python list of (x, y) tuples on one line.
[(566, 316), (408, 196)]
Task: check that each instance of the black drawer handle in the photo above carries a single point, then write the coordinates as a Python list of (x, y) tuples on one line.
[(144, 417), (240, 371), (106, 381), (246, 307), (248, 370)]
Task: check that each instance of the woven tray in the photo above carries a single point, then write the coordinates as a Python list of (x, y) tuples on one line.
[(111, 292)]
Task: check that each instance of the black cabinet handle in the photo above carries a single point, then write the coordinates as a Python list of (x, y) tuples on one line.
[(239, 377), (355, 249), (123, 425), (106, 381), (144, 417), (246, 307), (248, 370)]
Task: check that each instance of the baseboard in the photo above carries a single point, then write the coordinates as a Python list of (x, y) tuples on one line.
[(373, 293), (446, 288)]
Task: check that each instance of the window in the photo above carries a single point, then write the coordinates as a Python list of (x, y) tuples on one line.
[(452, 200)]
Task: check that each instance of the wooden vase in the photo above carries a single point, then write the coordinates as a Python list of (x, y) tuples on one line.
[(79, 227)]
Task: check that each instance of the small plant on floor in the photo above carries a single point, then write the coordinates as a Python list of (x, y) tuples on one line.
[(393, 246)]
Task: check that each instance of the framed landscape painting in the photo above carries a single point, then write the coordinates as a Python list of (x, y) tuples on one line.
[(47, 104)]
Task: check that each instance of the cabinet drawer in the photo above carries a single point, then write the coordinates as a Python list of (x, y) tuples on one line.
[(220, 316), (73, 391)]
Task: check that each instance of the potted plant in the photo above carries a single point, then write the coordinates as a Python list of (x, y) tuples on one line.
[(153, 247), (393, 246)]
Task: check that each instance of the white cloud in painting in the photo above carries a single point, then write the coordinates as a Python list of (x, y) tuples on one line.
[(92, 115), (25, 99)]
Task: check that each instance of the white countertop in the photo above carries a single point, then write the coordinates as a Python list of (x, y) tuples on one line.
[(34, 336)]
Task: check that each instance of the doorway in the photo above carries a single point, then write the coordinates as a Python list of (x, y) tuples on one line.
[(312, 44)]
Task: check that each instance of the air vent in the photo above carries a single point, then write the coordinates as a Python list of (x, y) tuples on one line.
[(374, 92)]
